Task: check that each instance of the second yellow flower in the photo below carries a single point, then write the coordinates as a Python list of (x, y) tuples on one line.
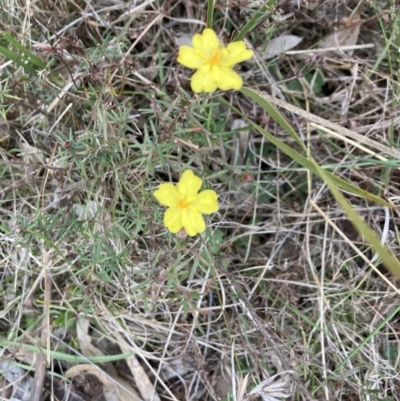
[(214, 62)]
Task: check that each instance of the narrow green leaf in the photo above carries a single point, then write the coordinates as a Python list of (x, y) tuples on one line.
[(275, 114), (210, 13), (65, 357), (252, 23), (303, 161), (18, 60), (390, 261), (357, 349), (26, 53)]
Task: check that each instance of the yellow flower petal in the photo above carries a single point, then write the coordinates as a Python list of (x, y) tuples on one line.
[(173, 219), (167, 194), (190, 58), (236, 52), (189, 185), (203, 81), (207, 79), (186, 205), (229, 80), (193, 221), (206, 202), (213, 62), (206, 42)]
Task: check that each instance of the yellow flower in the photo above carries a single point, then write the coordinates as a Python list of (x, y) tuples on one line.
[(186, 204), (214, 62)]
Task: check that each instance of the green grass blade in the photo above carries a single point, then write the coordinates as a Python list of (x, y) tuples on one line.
[(210, 13), (303, 161), (275, 114), (9, 54), (27, 55), (390, 261), (252, 23), (66, 357)]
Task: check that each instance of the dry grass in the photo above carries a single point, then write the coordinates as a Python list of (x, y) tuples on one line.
[(281, 283)]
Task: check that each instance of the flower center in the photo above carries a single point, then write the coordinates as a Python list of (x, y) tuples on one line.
[(183, 204), (215, 57)]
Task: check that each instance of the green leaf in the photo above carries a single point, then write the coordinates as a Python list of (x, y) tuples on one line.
[(390, 261), (355, 351), (388, 258), (210, 13), (275, 114), (252, 23), (303, 161), (18, 60), (27, 55), (317, 81), (65, 357)]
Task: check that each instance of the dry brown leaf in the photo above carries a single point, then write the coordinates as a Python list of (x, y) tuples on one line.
[(109, 387), (142, 381), (126, 391), (61, 389), (342, 38), (280, 45), (85, 341), (347, 36)]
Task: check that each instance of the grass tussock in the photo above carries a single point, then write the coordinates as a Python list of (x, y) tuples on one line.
[(281, 297)]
